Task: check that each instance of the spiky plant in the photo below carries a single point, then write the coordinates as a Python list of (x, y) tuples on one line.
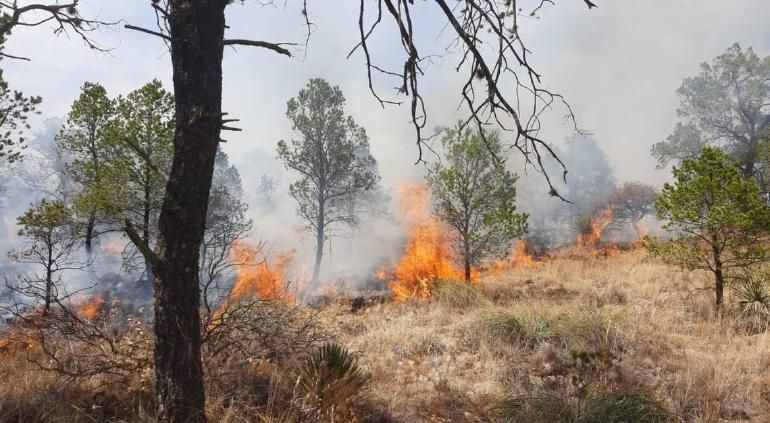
[(330, 377), (754, 300)]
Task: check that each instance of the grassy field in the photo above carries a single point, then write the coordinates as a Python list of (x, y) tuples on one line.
[(560, 334)]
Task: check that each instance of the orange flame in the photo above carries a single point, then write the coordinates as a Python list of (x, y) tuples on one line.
[(597, 228), (428, 254), (518, 259), (259, 278), (91, 309)]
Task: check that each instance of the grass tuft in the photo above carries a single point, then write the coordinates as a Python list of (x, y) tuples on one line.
[(458, 295)]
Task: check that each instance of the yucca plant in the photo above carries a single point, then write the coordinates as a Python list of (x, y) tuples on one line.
[(330, 377), (754, 300)]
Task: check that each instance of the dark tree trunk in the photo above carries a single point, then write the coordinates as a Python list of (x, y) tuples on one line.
[(719, 280), (90, 231), (196, 30), (48, 277)]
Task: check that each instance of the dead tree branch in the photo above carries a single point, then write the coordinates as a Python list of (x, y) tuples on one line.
[(501, 90), (65, 16)]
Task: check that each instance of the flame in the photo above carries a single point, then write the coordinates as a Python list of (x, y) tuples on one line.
[(428, 254), (598, 225), (518, 259), (91, 309), (258, 277)]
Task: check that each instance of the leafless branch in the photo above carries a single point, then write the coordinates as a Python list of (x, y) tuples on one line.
[(276, 47), (493, 56), (66, 17), (147, 31)]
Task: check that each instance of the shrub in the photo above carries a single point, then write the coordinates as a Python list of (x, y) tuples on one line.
[(753, 299), (457, 295), (330, 378), (569, 328)]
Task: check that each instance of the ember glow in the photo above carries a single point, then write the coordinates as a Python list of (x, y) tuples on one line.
[(428, 254), (258, 276)]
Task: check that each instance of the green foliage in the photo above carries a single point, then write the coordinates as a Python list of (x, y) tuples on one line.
[(715, 215), (584, 225), (136, 147), (50, 240), (725, 105), (15, 109), (331, 155), (457, 295), (475, 194), (39, 221), (635, 405), (331, 376)]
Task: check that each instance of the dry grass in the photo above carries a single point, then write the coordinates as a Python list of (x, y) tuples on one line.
[(456, 358)]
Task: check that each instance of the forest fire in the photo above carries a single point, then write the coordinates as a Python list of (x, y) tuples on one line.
[(258, 277), (598, 224), (518, 259), (91, 309), (428, 255)]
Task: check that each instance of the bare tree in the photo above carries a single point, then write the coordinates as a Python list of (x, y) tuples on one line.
[(494, 59), (65, 17), (331, 155)]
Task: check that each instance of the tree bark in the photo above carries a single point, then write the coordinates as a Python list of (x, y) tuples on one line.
[(719, 280), (90, 231), (196, 28), (319, 247), (467, 258)]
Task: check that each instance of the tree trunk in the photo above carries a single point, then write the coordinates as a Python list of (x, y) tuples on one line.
[(90, 231), (48, 277), (319, 251), (196, 28), (467, 259), (718, 278)]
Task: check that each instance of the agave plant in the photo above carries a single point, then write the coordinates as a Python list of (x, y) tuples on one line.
[(330, 377)]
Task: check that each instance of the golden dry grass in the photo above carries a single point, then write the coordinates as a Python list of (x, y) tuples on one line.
[(704, 367), (443, 361)]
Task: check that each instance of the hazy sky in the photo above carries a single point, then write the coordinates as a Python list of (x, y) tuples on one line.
[(618, 65)]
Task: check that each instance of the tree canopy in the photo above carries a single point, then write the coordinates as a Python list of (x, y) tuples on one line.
[(15, 109), (726, 105), (715, 215), (330, 152), (475, 195)]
